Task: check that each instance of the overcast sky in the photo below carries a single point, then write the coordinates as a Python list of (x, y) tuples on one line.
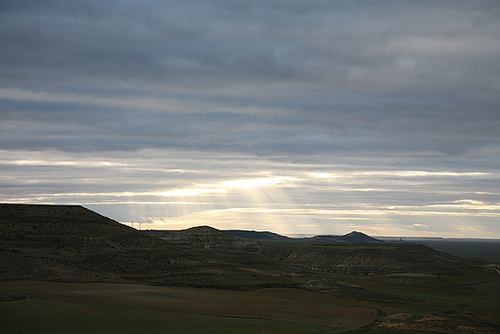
[(310, 117)]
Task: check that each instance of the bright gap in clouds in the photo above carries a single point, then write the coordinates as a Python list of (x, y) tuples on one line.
[(280, 204), (225, 186), (234, 204), (246, 193), (263, 116)]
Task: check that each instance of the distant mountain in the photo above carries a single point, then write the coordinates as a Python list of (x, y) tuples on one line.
[(358, 237), (259, 236), (270, 236), (73, 243)]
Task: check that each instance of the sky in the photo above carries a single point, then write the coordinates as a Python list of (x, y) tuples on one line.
[(297, 117)]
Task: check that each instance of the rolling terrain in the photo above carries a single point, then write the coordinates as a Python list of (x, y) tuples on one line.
[(71, 243), (355, 253), (107, 277)]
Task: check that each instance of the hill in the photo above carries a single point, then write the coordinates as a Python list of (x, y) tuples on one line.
[(350, 237), (259, 236), (358, 237), (412, 286), (354, 253), (76, 244), (72, 243), (270, 236), (206, 236)]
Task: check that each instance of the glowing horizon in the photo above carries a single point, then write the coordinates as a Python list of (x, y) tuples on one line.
[(276, 200), (296, 117)]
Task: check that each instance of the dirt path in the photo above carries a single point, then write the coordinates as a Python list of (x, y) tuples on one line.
[(495, 267)]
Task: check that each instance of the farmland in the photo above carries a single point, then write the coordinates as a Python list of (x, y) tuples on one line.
[(100, 307)]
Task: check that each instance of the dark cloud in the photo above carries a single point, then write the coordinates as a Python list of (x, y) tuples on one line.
[(341, 45), (301, 85)]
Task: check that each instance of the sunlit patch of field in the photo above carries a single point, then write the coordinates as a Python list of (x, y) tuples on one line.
[(123, 308)]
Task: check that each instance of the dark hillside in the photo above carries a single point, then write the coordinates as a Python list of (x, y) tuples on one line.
[(343, 257), (72, 243), (259, 236), (270, 236), (350, 237), (358, 237), (231, 249), (75, 244), (208, 237), (367, 258), (74, 227), (405, 281)]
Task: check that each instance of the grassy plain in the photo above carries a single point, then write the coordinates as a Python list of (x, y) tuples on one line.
[(125, 308), (52, 316), (52, 307)]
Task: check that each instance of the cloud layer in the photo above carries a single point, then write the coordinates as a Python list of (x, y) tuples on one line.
[(113, 102)]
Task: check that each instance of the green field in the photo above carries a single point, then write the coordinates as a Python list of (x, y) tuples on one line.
[(52, 316), (121, 308), (50, 307)]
